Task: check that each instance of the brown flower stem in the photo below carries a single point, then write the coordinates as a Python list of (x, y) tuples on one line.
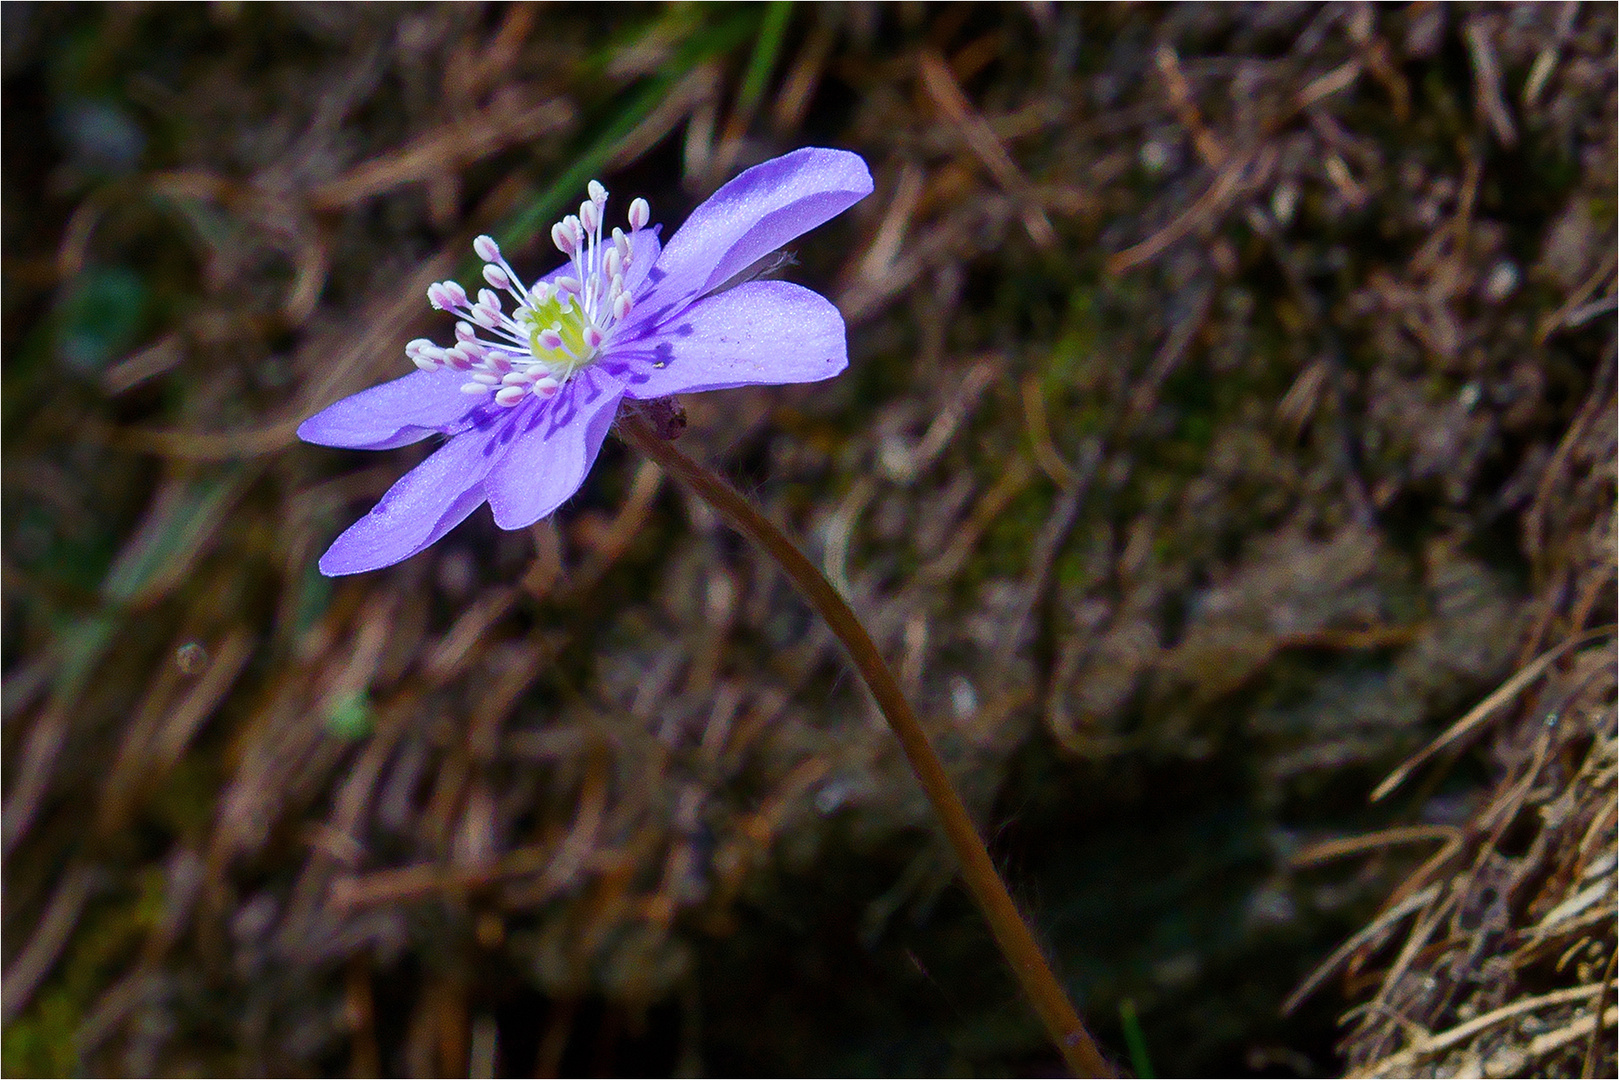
[(1017, 944)]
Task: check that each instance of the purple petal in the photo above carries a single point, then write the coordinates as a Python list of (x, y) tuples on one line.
[(555, 445), (394, 414), (645, 249), (426, 503), (751, 216), (763, 332)]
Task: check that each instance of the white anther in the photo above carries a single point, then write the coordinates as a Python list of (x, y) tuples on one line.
[(562, 237), (640, 213), (588, 217), (446, 295), (540, 293), (593, 337), (614, 263), (484, 378), (621, 305), (569, 283), (621, 243), (516, 378), (510, 395), (545, 386), (484, 317), (496, 276), (550, 339), (474, 388), (426, 363), (597, 193), (487, 298), (458, 358), (486, 249), (465, 331)]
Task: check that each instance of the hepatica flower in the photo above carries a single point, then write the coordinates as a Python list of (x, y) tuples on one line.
[(529, 389)]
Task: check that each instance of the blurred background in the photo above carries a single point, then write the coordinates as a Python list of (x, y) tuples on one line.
[(1230, 410)]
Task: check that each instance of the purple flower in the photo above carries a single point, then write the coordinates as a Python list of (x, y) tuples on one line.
[(527, 395)]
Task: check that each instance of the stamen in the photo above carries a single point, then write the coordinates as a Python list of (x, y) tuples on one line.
[(446, 295), (562, 237), (556, 327), (424, 354)]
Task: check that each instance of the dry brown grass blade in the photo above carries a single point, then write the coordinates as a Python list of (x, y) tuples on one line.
[(994, 502), (1464, 728), (1398, 1064), (35, 959), (1208, 145), (153, 747), (32, 778), (1240, 172), (1327, 850), (457, 144), (1375, 931), (947, 94), (1487, 83)]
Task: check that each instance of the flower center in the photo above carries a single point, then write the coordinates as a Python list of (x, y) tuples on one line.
[(556, 328), (568, 326)]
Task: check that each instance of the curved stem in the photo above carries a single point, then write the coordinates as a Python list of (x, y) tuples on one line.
[(1017, 944)]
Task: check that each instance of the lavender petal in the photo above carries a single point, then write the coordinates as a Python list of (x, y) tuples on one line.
[(426, 503), (763, 332), (753, 215), (554, 446), (394, 414)]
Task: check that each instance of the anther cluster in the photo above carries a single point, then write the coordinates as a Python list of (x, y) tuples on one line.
[(555, 328)]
